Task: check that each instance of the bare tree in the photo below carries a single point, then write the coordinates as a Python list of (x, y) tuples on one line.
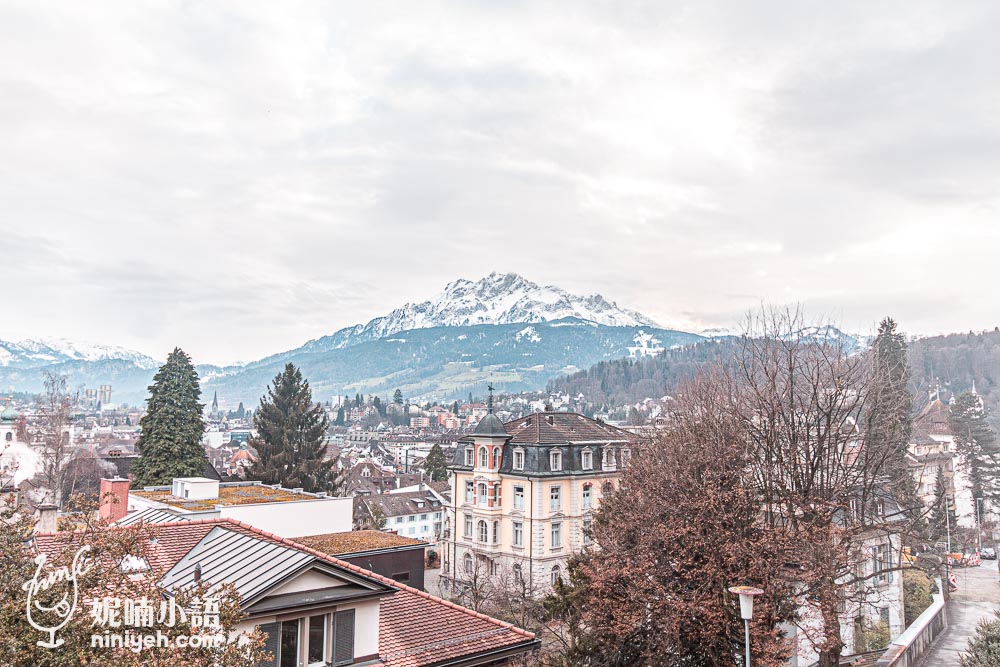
[(55, 410), (822, 440)]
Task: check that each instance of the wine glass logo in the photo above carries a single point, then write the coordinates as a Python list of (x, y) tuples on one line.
[(66, 605)]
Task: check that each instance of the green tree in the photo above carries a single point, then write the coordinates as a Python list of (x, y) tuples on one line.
[(340, 421), (942, 511), (890, 403), (397, 397), (170, 442), (917, 587), (984, 647), (290, 442), (975, 443), (437, 465)]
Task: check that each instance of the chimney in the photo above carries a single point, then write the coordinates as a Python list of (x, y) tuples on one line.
[(47, 519), (113, 499)]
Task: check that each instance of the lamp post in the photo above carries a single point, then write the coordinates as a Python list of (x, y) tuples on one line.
[(979, 530), (747, 594)]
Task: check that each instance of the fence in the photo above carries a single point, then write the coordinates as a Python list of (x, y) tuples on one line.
[(907, 648)]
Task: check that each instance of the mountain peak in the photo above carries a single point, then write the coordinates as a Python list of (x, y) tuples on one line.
[(497, 298)]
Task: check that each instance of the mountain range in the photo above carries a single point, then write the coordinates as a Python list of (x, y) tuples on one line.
[(502, 327)]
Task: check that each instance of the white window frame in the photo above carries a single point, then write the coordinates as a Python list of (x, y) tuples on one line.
[(518, 539), (555, 497), (587, 496), (519, 495), (470, 457), (484, 457), (518, 459), (587, 459), (555, 531), (555, 460)]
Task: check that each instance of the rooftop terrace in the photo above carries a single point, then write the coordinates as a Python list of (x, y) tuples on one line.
[(230, 493)]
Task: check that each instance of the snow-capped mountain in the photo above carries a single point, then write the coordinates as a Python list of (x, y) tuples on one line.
[(46, 351), (499, 298)]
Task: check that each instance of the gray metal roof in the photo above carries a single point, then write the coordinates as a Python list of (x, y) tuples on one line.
[(490, 426), (252, 565), (151, 515)]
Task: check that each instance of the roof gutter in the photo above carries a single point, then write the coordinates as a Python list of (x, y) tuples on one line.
[(490, 657)]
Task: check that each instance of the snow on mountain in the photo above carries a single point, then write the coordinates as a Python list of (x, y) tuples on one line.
[(499, 298), (43, 351)]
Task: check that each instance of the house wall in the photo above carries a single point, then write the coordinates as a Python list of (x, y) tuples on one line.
[(409, 563), (297, 518)]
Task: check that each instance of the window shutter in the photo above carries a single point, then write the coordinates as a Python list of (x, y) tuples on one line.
[(271, 645), (343, 637)]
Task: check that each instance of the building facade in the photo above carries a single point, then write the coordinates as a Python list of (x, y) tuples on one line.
[(524, 494)]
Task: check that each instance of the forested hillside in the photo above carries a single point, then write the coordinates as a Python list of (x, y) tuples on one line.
[(952, 361)]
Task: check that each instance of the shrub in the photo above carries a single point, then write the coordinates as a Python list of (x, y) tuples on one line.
[(917, 587), (984, 647)]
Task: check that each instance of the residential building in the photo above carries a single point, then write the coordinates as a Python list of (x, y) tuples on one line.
[(394, 556), (286, 512), (418, 514), (524, 494), (317, 609)]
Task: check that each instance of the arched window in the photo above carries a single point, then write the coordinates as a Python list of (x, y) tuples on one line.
[(555, 575), (484, 532), (607, 489), (482, 493), (496, 457), (518, 577), (496, 532), (10, 436), (468, 563), (483, 458)]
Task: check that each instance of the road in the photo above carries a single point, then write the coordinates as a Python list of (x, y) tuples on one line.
[(977, 597)]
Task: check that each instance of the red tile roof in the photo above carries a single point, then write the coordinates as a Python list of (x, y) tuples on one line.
[(415, 628), (543, 428)]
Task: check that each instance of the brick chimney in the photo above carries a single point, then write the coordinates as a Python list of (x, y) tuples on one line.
[(114, 506), (47, 519)]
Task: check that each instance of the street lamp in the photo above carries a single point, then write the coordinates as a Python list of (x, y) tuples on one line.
[(979, 529), (747, 594)]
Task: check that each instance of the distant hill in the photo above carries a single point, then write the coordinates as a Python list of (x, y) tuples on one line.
[(951, 363), (447, 363)]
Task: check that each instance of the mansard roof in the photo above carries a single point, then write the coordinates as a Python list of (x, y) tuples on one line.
[(554, 428)]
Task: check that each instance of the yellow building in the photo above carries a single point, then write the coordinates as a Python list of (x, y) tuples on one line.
[(524, 494)]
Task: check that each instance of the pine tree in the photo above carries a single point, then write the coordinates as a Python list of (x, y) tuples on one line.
[(290, 444), (397, 397), (340, 421), (975, 443), (941, 511), (170, 442), (436, 466), (241, 412), (889, 425)]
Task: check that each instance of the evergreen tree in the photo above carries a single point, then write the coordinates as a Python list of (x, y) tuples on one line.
[(942, 511), (437, 465), (340, 421), (290, 445), (241, 412), (892, 402), (377, 403), (454, 408), (983, 649), (170, 442), (975, 443), (397, 397)]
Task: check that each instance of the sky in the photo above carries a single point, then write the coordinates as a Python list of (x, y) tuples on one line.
[(239, 177)]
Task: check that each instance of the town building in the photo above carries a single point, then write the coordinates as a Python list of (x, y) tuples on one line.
[(524, 494), (394, 556), (317, 609), (285, 512), (418, 514)]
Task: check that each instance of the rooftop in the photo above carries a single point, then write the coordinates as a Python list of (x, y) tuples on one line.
[(357, 541), (544, 428), (416, 629), (234, 493)]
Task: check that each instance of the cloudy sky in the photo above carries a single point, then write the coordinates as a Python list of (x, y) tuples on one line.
[(236, 178)]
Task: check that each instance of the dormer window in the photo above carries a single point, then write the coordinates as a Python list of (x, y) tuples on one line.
[(587, 459), (518, 459), (555, 460), (469, 459)]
